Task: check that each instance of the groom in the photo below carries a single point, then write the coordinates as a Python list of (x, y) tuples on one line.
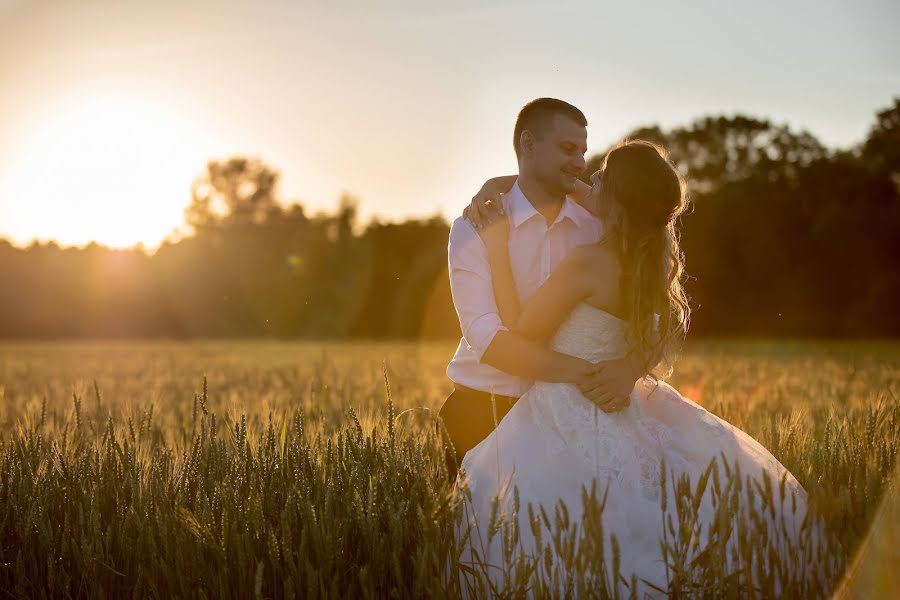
[(550, 141)]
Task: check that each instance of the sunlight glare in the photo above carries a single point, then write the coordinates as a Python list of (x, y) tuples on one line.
[(112, 169)]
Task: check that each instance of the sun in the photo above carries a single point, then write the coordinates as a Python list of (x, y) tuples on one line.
[(107, 168)]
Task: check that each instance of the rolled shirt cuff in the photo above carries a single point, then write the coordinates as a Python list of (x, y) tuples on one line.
[(481, 333)]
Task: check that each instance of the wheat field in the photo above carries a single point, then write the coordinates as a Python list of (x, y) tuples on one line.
[(277, 469)]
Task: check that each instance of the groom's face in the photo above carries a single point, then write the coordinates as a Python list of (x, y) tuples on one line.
[(558, 156)]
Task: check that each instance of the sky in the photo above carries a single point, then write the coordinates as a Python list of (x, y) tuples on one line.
[(109, 110)]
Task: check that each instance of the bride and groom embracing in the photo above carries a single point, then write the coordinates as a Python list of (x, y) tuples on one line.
[(571, 306)]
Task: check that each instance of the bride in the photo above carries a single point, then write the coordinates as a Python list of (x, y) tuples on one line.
[(669, 489)]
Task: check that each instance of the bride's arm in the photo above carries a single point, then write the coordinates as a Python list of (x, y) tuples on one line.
[(567, 285), (479, 318), (611, 383), (610, 386), (486, 207), (496, 239)]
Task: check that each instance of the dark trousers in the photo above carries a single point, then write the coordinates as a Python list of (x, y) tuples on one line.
[(468, 416)]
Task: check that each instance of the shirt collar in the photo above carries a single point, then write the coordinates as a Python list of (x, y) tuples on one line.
[(521, 210)]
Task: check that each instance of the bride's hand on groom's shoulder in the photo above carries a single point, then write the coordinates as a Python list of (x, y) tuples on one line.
[(486, 206)]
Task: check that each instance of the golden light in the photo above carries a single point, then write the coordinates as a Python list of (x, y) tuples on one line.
[(108, 168)]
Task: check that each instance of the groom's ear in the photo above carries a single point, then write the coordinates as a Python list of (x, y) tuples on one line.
[(526, 143)]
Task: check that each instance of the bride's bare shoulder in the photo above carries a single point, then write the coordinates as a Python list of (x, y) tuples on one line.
[(600, 259), (599, 270)]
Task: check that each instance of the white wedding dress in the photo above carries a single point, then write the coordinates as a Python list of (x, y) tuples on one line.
[(554, 441)]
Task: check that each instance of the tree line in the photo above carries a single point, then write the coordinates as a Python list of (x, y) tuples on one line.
[(785, 238)]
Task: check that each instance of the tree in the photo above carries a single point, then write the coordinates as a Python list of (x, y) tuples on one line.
[(714, 151), (881, 150), (238, 190)]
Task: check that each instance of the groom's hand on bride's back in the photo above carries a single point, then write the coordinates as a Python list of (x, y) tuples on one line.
[(609, 384)]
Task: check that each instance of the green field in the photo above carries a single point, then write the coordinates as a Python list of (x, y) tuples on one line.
[(121, 475)]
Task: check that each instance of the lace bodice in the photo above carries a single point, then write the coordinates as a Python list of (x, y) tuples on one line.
[(591, 333)]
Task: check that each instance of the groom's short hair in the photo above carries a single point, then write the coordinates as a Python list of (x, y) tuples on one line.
[(537, 114)]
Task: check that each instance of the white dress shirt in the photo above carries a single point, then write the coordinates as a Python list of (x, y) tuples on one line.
[(535, 251)]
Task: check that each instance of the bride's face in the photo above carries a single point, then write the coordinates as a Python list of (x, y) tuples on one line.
[(594, 202)]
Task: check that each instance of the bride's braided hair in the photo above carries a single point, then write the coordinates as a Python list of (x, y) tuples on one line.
[(645, 194)]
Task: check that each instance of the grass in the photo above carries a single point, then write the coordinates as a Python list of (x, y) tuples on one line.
[(278, 469)]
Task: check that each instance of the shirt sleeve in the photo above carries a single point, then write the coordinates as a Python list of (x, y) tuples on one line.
[(471, 288)]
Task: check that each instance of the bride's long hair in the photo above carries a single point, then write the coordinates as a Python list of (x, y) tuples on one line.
[(643, 194)]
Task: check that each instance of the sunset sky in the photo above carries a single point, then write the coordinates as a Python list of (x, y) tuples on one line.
[(108, 110)]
